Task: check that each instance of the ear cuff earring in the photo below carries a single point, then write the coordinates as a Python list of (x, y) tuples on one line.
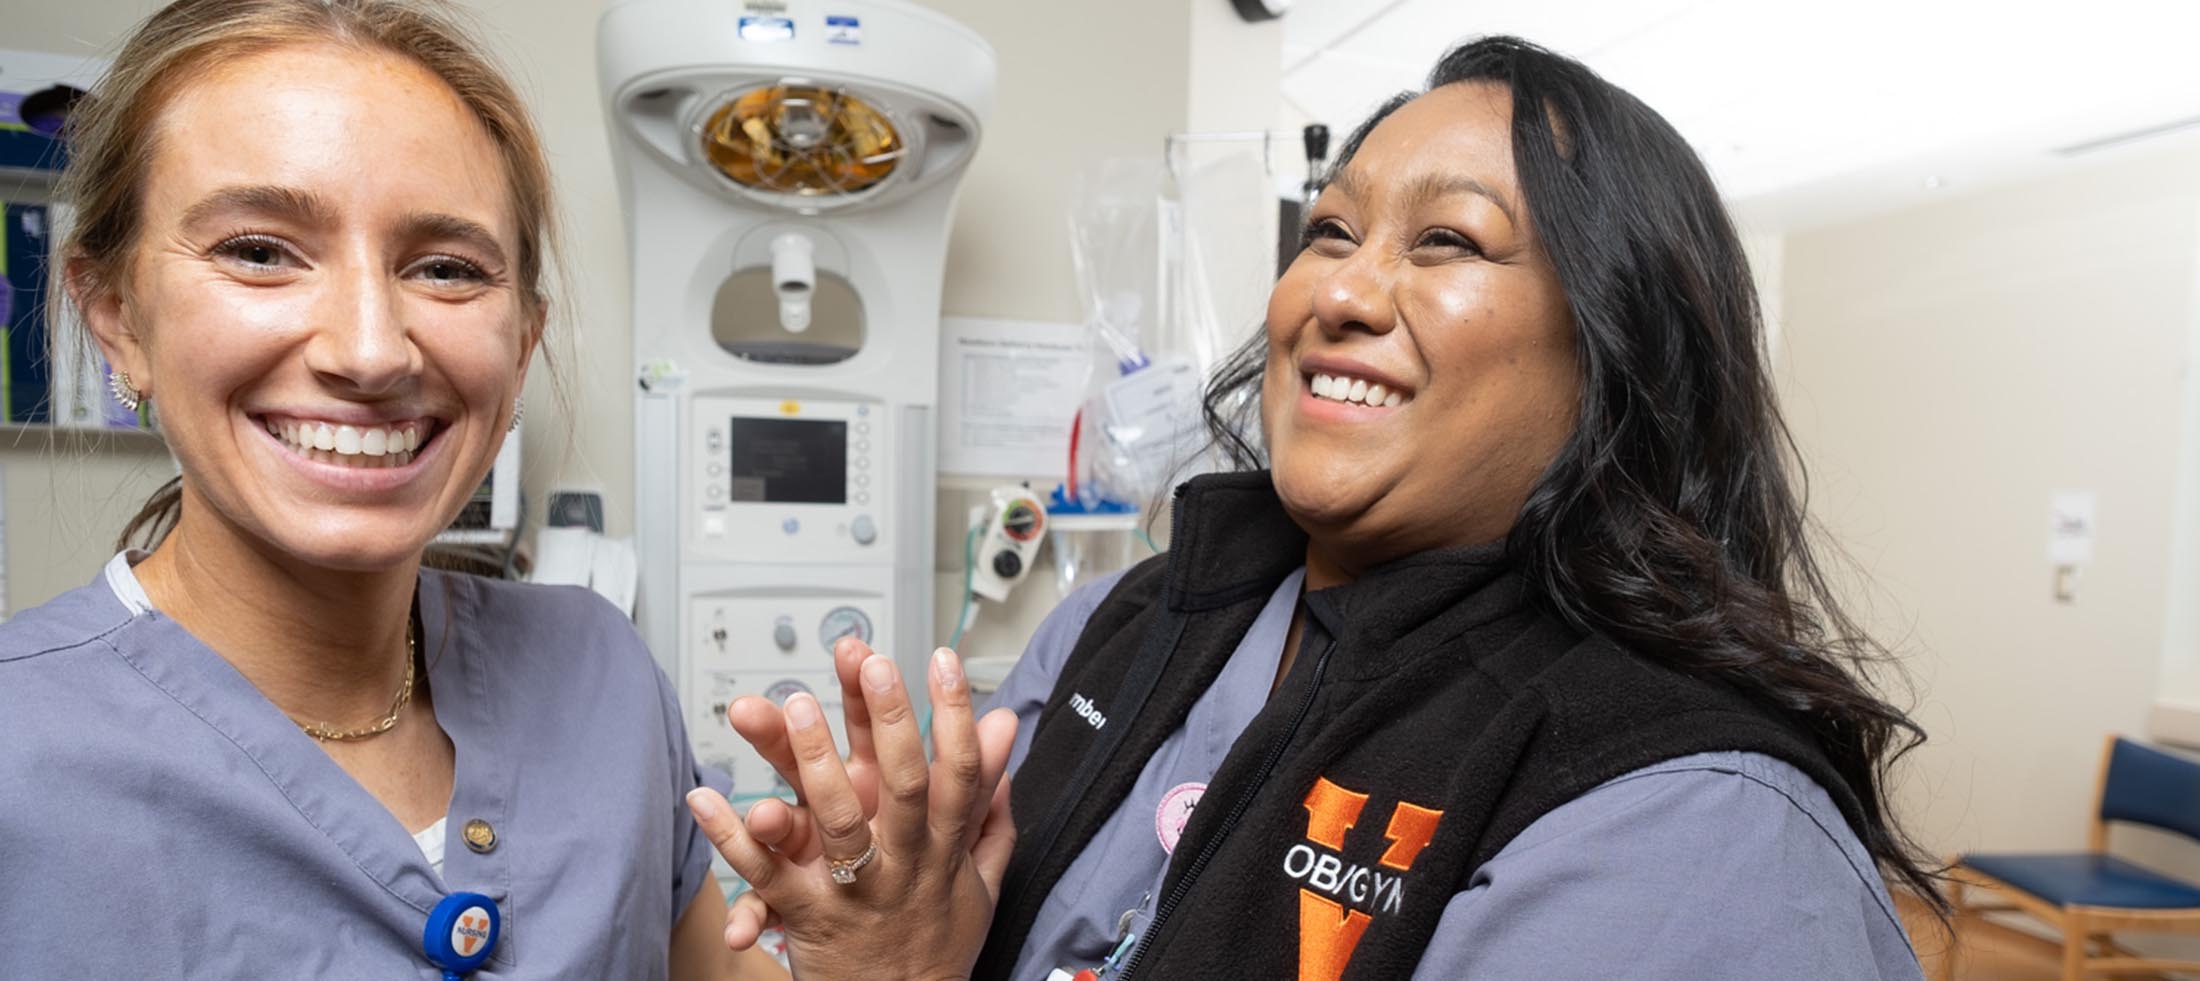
[(519, 411), (118, 382)]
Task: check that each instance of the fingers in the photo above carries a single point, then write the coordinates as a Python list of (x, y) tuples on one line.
[(849, 654), (771, 821), (956, 766), (833, 805), (761, 724), (751, 860), (746, 920), (996, 842), (783, 828), (996, 740), (904, 776)]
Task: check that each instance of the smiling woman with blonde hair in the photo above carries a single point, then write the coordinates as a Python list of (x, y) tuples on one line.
[(313, 235)]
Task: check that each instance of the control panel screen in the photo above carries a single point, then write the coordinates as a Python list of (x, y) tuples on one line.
[(788, 461)]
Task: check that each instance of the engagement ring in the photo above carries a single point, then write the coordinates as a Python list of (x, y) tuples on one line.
[(844, 870)]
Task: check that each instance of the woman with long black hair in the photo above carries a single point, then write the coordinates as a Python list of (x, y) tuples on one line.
[(1514, 662)]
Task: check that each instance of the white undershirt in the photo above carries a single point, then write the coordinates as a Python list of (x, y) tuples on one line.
[(124, 581), (430, 840)]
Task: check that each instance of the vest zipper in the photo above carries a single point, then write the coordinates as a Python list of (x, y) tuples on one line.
[(1238, 806)]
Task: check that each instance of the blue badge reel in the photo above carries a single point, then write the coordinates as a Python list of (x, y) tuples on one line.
[(461, 931)]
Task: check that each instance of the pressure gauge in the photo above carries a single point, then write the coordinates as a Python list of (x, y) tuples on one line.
[(780, 691), (843, 621)]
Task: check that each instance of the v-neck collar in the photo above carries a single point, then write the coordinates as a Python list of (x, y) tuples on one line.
[(485, 768), (328, 798)]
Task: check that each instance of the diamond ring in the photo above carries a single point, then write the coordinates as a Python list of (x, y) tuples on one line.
[(844, 869)]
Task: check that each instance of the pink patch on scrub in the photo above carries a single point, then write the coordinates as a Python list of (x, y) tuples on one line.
[(1175, 812)]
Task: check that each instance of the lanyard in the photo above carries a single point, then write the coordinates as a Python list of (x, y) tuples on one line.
[(461, 931), (1126, 940)]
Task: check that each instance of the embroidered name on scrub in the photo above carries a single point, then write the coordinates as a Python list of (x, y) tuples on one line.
[(1087, 711)]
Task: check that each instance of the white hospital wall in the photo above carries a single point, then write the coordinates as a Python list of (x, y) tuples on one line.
[(1946, 369), (1078, 82), (66, 500)]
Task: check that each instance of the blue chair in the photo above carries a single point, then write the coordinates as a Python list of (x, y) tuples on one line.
[(2090, 895)]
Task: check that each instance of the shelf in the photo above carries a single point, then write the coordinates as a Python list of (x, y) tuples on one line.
[(16, 180), (986, 482), (1061, 521), (499, 537), (24, 435)]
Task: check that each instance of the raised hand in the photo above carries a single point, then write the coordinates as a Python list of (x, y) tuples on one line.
[(764, 726), (919, 866)]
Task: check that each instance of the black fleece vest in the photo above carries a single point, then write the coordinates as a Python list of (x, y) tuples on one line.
[(1434, 711)]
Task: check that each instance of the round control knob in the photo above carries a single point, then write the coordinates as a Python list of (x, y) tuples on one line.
[(783, 635), (1007, 564), (1020, 522), (863, 530)]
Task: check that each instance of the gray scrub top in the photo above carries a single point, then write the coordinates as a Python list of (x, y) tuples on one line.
[(1709, 867), (160, 818)]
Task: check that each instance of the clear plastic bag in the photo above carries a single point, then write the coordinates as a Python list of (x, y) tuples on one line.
[(1139, 404)]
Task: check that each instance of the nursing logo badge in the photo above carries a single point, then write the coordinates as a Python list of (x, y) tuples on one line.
[(461, 931), (1175, 812), (1339, 899), (471, 933)]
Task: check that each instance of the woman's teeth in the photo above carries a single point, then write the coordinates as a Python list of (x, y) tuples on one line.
[(1338, 388), (371, 447)]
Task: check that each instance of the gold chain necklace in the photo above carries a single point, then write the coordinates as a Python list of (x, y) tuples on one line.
[(330, 734)]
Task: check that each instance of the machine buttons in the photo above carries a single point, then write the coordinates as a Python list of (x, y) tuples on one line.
[(843, 621), (863, 530), (1010, 545), (863, 463), (716, 493), (863, 429), (792, 526), (715, 469), (863, 497), (783, 633), (714, 440), (863, 480), (863, 446)]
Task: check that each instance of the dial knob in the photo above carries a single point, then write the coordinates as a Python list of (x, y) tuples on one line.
[(1007, 564), (783, 634), (1020, 522)]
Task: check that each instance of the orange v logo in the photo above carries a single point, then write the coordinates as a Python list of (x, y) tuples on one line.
[(1328, 932)]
